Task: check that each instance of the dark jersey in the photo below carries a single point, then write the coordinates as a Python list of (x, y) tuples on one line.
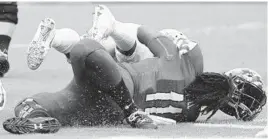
[(158, 82)]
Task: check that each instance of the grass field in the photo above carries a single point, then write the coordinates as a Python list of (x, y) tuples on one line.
[(233, 36)]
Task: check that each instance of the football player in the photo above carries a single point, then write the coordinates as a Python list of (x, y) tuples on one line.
[(100, 84), (8, 21)]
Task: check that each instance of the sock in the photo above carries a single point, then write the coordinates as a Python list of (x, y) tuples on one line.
[(65, 39), (129, 52), (4, 43), (124, 35), (122, 97)]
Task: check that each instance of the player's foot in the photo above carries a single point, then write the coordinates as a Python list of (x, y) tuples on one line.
[(140, 119), (41, 43), (103, 23), (4, 64), (19, 125), (2, 96)]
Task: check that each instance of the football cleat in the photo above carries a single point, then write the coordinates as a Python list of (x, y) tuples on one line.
[(140, 119), (41, 43), (20, 125), (2, 96), (103, 23)]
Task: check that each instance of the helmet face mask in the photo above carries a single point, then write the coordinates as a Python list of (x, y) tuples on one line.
[(247, 99)]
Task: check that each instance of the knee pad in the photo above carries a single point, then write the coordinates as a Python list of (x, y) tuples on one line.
[(9, 12), (29, 108)]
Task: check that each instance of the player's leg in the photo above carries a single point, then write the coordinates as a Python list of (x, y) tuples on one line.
[(64, 39), (128, 48), (8, 21), (97, 73), (68, 107), (159, 44), (45, 112), (34, 115), (61, 39), (46, 37)]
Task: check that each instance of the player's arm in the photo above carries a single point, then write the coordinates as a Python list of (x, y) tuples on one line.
[(159, 44)]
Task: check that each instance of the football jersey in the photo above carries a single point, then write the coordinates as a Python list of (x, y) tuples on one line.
[(159, 82)]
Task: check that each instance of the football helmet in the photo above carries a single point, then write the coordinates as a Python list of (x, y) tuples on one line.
[(247, 97)]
